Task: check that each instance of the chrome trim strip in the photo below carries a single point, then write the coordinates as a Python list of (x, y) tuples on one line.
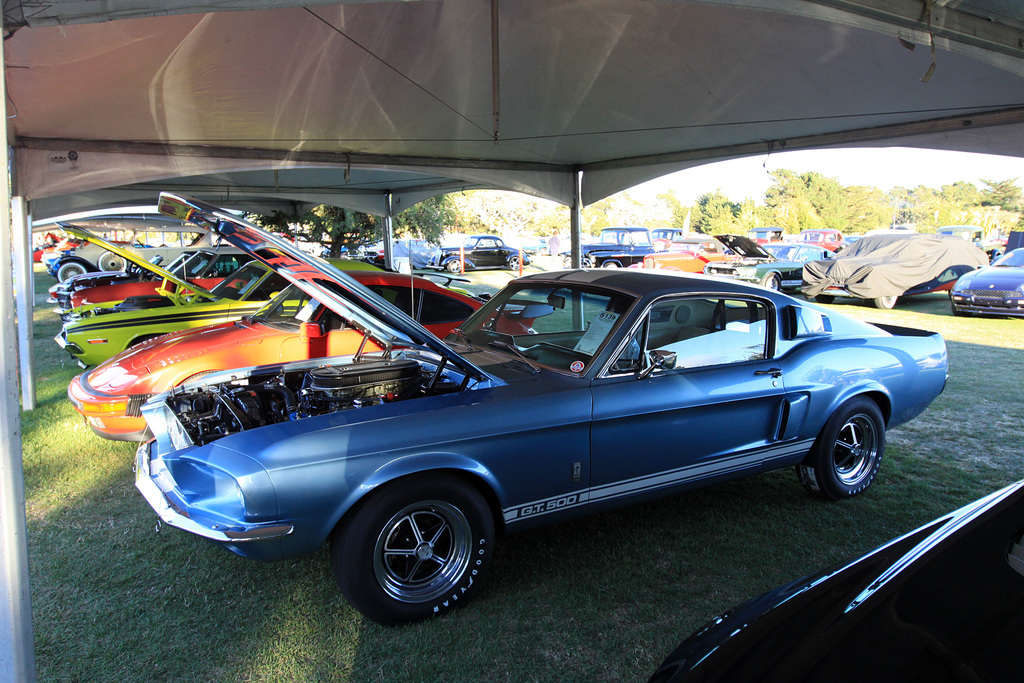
[(664, 479)]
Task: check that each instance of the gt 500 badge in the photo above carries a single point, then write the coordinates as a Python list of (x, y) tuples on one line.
[(577, 366)]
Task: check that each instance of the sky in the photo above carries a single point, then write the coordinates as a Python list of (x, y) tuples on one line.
[(884, 168)]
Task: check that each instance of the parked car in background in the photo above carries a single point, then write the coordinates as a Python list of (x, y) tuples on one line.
[(944, 603), (766, 234), (92, 334), (412, 460), (883, 267), (688, 255), (830, 239), (617, 247), (292, 327), (416, 252), (478, 251), (993, 245), (997, 289), (91, 257), (202, 266), (776, 265)]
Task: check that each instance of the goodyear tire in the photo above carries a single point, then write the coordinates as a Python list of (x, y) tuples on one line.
[(847, 453), (454, 266), (416, 549), (512, 263)]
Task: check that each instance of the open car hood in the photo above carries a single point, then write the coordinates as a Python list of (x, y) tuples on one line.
[(356, 304), (133, 257), (745, 247)]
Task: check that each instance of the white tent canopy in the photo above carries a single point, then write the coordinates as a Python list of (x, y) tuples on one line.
[(375, 105), (426, 97)]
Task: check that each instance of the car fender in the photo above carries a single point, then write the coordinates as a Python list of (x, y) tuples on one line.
[(55, 265), (403, 467), (448, 259)]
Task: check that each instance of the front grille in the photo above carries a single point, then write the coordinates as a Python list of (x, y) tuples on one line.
[(135, 402), (992, 293), (714, 270)]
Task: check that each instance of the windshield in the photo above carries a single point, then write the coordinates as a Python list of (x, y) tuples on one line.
[(557, 326), (239, 283), (175, 266), (783, 252), (625, 237), (1012, 259), (289, 308)]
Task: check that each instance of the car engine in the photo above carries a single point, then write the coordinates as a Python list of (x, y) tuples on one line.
[(209, 412)]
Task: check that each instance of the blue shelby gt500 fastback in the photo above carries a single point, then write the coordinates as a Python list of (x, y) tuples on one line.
[(566, 394)]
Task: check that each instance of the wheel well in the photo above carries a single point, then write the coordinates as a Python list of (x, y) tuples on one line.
[(883, 403), (468, 478)]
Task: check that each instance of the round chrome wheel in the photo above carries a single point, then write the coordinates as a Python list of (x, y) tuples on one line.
[(855, 450), (422, 551)]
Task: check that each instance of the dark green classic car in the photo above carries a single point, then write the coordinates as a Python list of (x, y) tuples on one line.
[(776, 265)]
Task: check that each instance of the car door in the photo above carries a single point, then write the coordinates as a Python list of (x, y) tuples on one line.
[(717, 413), (487, 253)]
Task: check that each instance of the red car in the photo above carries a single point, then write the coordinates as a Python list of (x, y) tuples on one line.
[(289, 328), (830, 239), (203, 266)]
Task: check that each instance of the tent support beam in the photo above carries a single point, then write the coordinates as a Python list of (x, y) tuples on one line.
[(17, 651), (389, 230), (21, 225), (825, 140), (284, 155), (946, 22), (576, 218)]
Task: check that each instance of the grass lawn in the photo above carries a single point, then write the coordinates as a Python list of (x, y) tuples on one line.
[(605, 598)]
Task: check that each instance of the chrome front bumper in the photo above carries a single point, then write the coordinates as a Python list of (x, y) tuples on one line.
[(172, 515)]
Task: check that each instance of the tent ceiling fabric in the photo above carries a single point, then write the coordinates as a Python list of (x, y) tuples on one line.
[(342, 102)]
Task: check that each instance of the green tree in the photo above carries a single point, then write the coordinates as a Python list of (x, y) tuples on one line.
[(866, 210), (806, 201), (1005, 194), (714, 214), (428, 219), (330, 226)]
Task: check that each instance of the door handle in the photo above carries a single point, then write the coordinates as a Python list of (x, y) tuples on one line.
[(774, 372)]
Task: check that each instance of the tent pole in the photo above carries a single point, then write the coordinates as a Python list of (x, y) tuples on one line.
[(21, 225), (576, 217), (17, 654), (388, 225)]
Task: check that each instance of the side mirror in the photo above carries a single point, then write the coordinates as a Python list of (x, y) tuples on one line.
[(309, 331), (658, 359)]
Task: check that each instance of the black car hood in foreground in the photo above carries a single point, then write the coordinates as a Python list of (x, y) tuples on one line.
[(745, 247), (356, 304), (889, 265), (943, 603)]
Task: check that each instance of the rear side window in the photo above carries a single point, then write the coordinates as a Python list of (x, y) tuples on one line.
[(702, 332), (437, 308)]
